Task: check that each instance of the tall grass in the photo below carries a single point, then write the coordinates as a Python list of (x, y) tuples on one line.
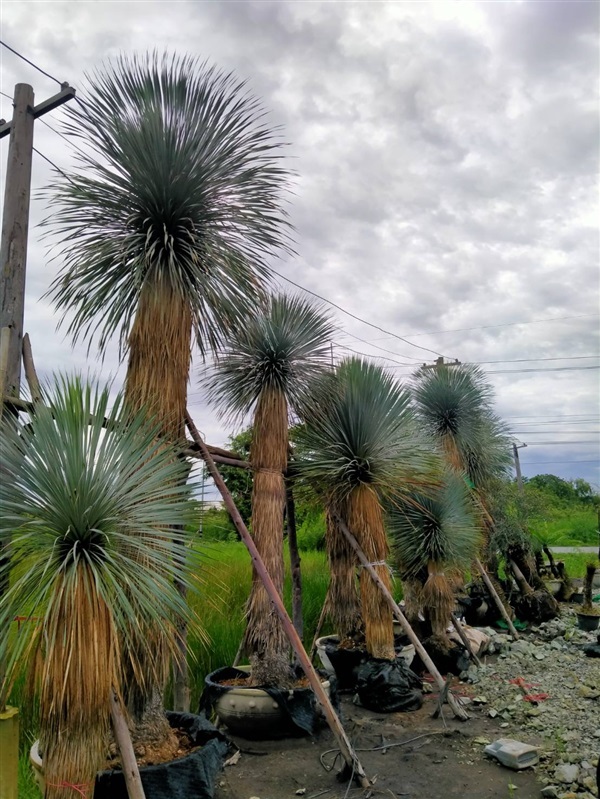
[(567, 528), (220, 604)]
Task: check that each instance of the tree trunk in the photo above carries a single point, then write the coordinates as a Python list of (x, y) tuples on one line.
[(157, 376), (342, 603), (365, 518), (265, 638)]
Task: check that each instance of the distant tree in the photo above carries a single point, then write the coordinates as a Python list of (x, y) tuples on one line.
[(555, 486)]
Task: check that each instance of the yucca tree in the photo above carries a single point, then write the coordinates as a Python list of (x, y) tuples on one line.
[(434, 536), (87, 502), (359, 448), (166, 224), (454, 404), (267, 368)]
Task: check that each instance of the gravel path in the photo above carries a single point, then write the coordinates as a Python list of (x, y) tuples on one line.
[(566, 722)]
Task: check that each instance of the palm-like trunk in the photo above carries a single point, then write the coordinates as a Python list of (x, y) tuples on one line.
[(342, 603), (76, 676), (364, 517), (265, 639), (157, 376), (159, 359)]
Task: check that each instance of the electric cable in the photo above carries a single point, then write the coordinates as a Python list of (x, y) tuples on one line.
[(354, 316), (35, 66)]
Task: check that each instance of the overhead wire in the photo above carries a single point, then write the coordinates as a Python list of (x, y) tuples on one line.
[(31, 63), (354, 316), (504, 324)]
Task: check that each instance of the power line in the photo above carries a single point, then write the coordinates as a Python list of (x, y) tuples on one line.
[(561, 443), (506, 324), (543, 463), (58, 169), (35, 66), (354, 316), (528, 360), (556, 432)]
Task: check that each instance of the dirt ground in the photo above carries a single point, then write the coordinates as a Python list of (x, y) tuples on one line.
[(438, 759)]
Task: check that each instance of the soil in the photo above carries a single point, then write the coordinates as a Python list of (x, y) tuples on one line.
[(443, 758), (424, 759), (245, 682), (178, 745)]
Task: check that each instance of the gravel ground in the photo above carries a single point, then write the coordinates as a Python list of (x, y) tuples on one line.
[(565, 723)]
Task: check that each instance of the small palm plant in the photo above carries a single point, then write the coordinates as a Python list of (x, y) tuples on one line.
[(267, 367), (359, 447), (434, 535), (88, 504)]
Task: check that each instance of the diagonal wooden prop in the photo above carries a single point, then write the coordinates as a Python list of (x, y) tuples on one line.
[(458, 711), (348, 753)]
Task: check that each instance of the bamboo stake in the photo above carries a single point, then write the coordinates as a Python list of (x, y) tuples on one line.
[(458, 711), (320, 623), (30, 373), (496, 598), (461, 633), (335, 724), (131, 772)]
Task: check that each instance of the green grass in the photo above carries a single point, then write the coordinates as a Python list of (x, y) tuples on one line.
[(567, 528), (27, 786)]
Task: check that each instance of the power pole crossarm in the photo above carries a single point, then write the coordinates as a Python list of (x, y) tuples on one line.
[(66, 93)]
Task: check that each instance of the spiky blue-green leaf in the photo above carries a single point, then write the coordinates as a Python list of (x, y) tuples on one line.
[(179, 183)]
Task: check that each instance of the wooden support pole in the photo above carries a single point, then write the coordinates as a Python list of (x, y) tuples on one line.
[(461, 634), (30, 373), (131, 772), (348, 753), (496, 598), (458, 711), (320, 624)]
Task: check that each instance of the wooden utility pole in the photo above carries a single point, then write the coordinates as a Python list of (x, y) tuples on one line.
[(518, 465), (15, 225)]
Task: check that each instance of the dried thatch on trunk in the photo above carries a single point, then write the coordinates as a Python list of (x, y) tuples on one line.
[(159, 358), (265, 638), (342, 603), (364, 517)]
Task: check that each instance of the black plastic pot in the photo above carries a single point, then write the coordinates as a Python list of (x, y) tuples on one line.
[(193, 775), (587, 622)]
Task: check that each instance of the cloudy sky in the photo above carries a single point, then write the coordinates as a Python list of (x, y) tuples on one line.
[(447, 190)]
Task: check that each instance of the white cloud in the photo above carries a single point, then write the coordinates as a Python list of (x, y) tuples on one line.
[(447, 159)]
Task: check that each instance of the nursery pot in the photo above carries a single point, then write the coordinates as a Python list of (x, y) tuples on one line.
[(587, 621), (577, 598), (347, 676), (192, 775), (553, 586), (9, 752), (260, 713)]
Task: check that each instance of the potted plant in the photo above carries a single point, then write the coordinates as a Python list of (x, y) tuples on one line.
[(266, 368), (94, 504), (358, 449), (166, 226), (435, 537), (589, 615)]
